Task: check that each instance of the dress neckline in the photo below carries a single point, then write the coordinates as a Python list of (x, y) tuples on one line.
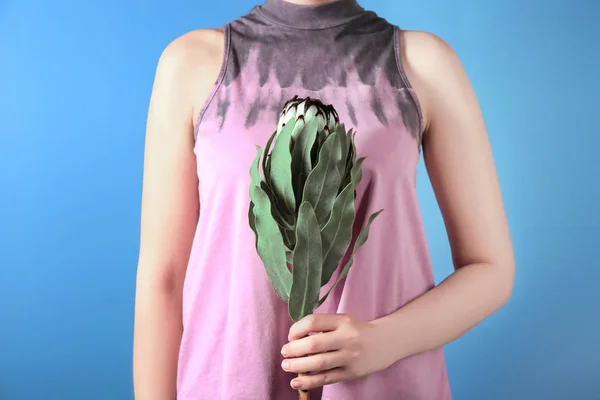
[(312, 16)]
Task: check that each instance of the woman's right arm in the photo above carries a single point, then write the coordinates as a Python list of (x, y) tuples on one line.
[(186, 70)]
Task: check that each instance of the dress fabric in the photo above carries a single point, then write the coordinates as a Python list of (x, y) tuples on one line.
[(234, 323)]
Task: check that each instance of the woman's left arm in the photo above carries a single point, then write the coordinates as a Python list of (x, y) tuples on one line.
[(459, 162), (460, 165)]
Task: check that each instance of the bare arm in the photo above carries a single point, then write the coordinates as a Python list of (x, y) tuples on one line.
[(170, 207), (461, 168)]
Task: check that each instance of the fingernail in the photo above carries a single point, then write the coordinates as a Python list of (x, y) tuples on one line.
[(285, 365), (283, 350), (296, 383)]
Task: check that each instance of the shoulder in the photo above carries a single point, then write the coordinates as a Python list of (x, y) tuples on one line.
[(424, 43), (432, 66), (194, 45), (191, 62), (427, 53), (200, 48)]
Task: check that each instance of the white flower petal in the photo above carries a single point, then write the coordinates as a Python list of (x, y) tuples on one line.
[(300, 109), (311, 112)]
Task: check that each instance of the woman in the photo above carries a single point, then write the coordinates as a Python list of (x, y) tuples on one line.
[(207, 323)]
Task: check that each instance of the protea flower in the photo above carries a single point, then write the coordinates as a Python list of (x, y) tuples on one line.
[(302, 207), (303, 109)]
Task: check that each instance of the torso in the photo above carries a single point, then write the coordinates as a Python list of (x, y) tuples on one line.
[(234, 324)]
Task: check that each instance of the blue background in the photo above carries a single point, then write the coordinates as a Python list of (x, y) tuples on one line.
[(75, 80)]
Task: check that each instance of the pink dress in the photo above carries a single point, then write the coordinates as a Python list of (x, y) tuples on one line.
[(234, 323)]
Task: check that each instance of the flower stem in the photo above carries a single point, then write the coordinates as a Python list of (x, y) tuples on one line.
[(303, 394)]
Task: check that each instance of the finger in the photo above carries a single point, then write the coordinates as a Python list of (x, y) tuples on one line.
[(309, 382), (313, 344), (317, 362), (315, 323)]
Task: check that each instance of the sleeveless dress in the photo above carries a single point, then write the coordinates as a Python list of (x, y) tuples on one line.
[(234, 323)]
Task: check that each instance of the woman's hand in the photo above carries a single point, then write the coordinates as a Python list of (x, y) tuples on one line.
[(345, 349)]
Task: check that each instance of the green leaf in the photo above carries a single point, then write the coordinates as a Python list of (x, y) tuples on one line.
[(281, 168), (322, 183), (266, 159), (251, 221), (350, 157), (255, 179), (289, 238), (322, 135), (353, 143), (254, 174), (267, 169), (283, 218), (362, 238), (344, 143), (301, 159), (356, 172), (307, 265), (337, 233), (270, 246)]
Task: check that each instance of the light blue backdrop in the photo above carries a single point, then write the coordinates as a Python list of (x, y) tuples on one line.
[(75, 79)]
